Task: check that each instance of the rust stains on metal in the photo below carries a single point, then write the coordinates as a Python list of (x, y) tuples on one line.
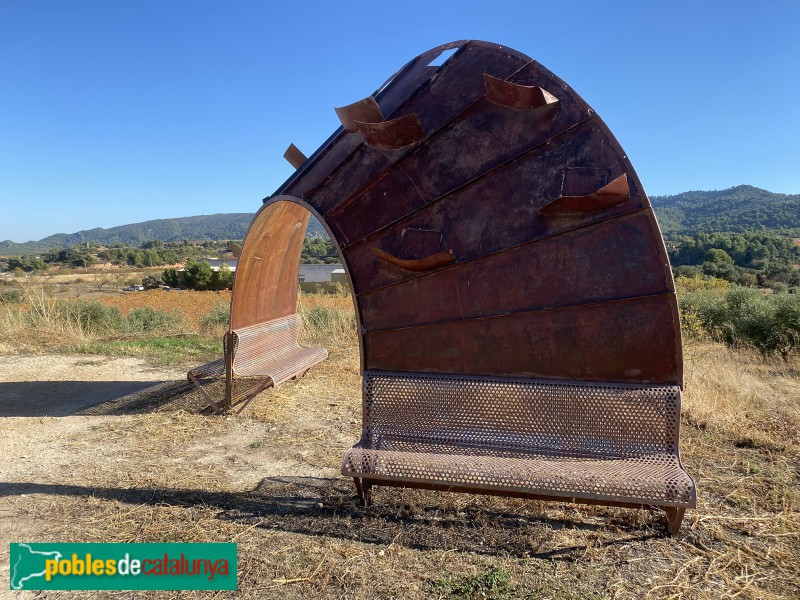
[(267, 272), (491, 227), (524, 200)]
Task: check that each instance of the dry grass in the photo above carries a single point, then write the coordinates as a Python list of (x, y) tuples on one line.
[(191, 304), (268, 479), (37, 323)]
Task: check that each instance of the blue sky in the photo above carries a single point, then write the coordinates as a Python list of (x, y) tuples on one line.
[(114, 112)]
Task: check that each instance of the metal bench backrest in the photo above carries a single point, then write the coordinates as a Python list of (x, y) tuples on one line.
[(271, 340), (597, 419)]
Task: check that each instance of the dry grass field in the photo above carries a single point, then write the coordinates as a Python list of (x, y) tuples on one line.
[(150, 466)]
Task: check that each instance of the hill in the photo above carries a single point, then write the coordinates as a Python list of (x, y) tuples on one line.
[(230, 226), (738, 209)]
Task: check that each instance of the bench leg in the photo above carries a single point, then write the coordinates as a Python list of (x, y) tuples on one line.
[(230, 348), (364, 489), (674, 519), (214, 406)]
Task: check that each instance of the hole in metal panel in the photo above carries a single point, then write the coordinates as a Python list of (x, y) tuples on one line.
[(442, 58)]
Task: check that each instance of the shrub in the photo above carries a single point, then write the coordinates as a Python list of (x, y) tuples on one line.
[(745, 317), (219, 315), (328, 326), (11, 296), (151, 282), (90, 316), (146, 319)]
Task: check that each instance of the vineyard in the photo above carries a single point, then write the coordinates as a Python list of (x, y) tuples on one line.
[(193, 306)]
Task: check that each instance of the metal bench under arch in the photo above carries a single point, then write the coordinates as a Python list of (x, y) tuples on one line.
[(260, 346), (518, 322)]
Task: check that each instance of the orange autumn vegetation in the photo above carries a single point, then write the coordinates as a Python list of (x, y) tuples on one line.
[(192, 305)]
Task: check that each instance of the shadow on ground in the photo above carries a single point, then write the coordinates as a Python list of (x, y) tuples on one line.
[(67, 398), (412, 518)]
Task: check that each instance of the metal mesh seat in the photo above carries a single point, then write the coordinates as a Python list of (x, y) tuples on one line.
[(271, 350), (600, 442), (268, 353)]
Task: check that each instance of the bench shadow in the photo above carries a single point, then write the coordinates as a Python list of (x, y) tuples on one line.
[(321, 507), (68, 398)]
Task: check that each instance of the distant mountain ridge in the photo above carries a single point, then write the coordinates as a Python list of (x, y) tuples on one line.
[(737, 209), (222, 226)]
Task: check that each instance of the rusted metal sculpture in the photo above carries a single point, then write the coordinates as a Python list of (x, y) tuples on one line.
[(518, 321), (261, 343)]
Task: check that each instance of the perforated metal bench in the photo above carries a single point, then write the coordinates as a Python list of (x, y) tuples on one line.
[(265, 354), (604, 443)]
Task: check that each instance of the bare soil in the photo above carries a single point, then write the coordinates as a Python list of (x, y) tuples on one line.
[(114, 449)]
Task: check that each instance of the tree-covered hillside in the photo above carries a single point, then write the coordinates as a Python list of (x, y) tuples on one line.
[(230, 226), (738, 209)]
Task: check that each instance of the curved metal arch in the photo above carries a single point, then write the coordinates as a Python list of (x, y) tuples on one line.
[(425, 199), (267, 289)]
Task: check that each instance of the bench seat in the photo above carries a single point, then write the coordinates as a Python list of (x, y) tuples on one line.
[(601, 443), (267, 352)]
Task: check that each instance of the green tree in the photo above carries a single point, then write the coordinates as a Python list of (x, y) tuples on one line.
[(197, 275), (224, 277), (151, 282), (715, 255), (170, 278), (19, 262)]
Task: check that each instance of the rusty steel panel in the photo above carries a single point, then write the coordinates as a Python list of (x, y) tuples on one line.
[(607, 261), (365, 164), (267, 271), (507, 235), (363, 111), (487, 137), (507, 271), (516, 96), (614, 341), (503, 209), (294, 156), (388, 199), (459, 83)]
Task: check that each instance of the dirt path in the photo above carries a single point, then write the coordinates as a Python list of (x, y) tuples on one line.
[(57, 386), (73, 427)]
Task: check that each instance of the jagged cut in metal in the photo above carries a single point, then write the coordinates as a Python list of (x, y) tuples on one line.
[(417, 264), (514, 95), (613, 193)]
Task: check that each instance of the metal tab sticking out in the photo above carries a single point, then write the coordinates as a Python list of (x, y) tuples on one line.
[(417, 264), (611, 194), (363, 111), (295, 157), (390, 135), (513, 95)]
